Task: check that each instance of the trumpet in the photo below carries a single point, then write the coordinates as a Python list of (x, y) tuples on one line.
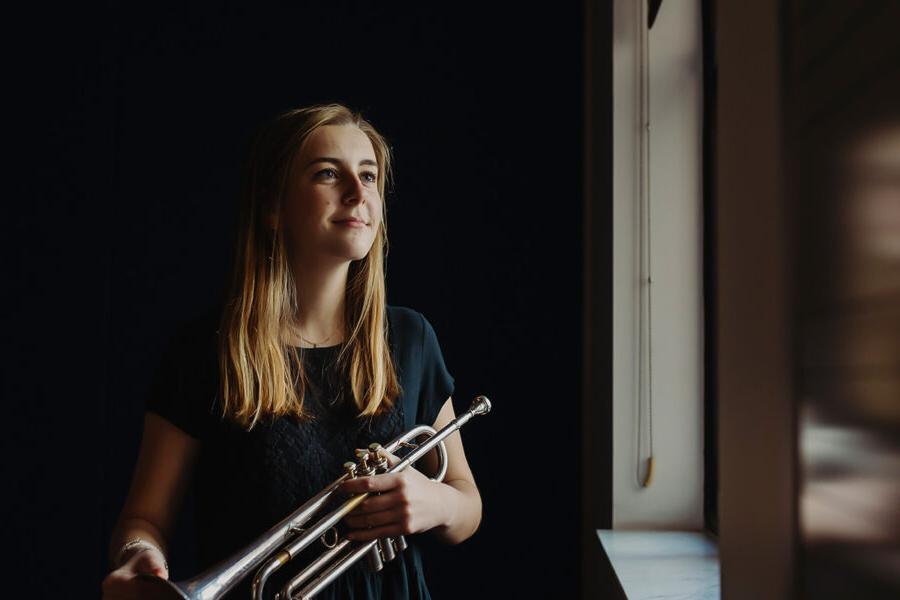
[(284, 541)]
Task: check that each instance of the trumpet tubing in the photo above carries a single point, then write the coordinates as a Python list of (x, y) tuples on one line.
[(276, 547)]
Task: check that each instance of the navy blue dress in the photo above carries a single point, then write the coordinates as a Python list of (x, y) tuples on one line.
[(246, 482)]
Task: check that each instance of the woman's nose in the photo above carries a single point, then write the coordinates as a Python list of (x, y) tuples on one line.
[(357, 191)]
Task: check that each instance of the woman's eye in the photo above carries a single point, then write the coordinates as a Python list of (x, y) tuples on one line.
[(370, 177)]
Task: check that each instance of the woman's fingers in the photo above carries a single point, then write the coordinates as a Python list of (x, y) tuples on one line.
[(151, 562), (378, 483), (381, 482), (387, 514), (398, 503), (115, 585), (121, 584), (395, 515), (377, 503), (390, 530)]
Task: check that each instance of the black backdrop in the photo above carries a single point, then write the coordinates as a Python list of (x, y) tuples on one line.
[(129, 126)]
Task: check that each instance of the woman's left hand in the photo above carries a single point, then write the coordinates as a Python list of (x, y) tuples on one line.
[(408, 502)]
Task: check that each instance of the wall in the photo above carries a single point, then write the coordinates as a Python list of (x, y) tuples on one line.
[(756, 436), (674, 498)]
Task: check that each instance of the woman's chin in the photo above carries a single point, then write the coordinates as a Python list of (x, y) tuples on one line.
[(350, 255)]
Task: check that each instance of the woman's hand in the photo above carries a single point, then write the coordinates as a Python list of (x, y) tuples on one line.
[(121, 584), (408, 502)]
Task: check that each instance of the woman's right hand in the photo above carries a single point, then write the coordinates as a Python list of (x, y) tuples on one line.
[(121, 584)]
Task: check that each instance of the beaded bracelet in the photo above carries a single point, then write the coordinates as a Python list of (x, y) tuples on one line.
[(134, 543)]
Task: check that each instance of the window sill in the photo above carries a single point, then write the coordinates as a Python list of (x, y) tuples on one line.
[(663, 564)]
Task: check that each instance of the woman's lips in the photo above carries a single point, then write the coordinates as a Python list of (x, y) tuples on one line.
[(351, 223)]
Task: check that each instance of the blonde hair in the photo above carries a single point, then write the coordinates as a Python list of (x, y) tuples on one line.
[(261, 375)]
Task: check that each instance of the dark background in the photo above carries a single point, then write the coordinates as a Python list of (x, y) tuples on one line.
[(129, 127)]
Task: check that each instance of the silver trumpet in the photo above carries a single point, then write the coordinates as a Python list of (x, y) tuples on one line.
[(277, 546)]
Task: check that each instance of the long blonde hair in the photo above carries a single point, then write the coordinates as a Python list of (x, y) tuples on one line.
[(261, 375)]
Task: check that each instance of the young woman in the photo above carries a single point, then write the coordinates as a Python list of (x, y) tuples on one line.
[(262, 400)]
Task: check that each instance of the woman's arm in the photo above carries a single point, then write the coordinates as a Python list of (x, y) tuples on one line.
[(164, 465), (461, 496)]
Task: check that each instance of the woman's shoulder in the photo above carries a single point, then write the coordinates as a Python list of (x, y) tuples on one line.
[(410, 326), (404, 318), (405, 331), (423, 362)]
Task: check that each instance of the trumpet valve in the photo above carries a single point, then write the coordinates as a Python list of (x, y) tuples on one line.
[(373, 557), (387, 549), (365, 465), (380, 462)]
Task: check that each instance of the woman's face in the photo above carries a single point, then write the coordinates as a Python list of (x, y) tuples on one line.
[(334, 180)]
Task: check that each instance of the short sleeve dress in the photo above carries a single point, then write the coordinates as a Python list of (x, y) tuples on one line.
[(246, 482)]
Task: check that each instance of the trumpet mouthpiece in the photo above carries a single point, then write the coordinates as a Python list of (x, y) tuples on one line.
[(480, 406)]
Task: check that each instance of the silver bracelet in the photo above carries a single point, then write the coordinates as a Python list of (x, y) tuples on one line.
[(134, 543)]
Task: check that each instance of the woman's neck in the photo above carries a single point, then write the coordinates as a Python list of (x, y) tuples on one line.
[(321, 292)]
